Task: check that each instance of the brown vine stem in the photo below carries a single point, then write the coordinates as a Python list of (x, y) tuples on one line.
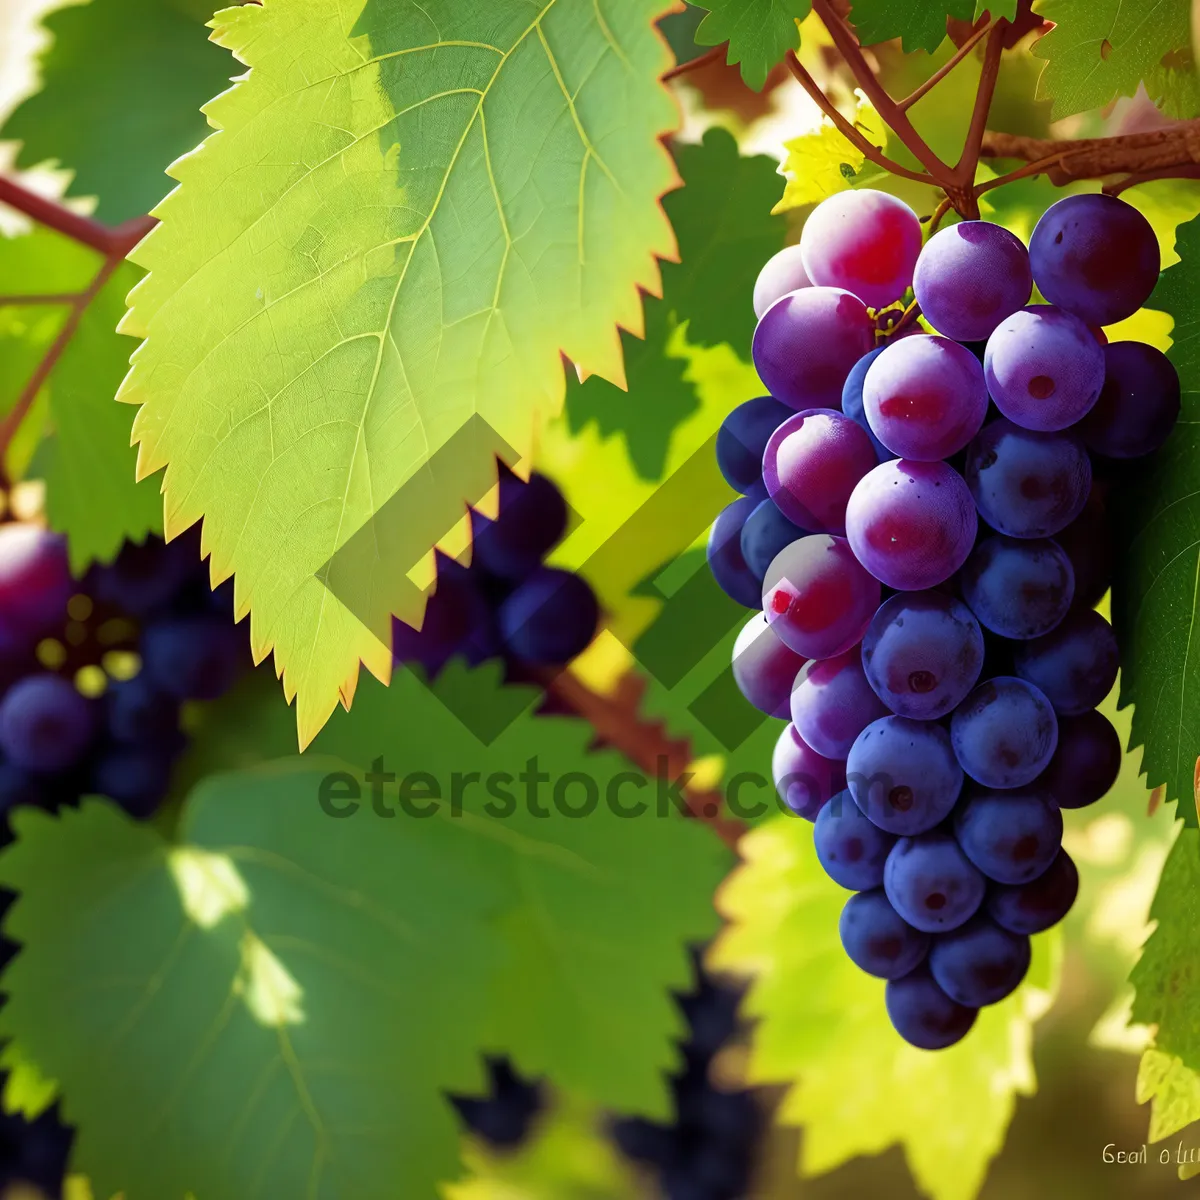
[(944, 70), (35, 298), (716, 54), (107, 240), (968, 163)]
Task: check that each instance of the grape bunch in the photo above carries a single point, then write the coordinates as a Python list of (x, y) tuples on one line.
[(923, 525), (507, 604)]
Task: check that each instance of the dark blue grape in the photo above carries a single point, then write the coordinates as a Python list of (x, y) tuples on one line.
[(743, 437), (923, 1015), (852, 401), (1032, 907), (1139, 403), (136, 777), (931, 883), (1087, 762), (1019, 588), (136, 711), (45, 724), (1004, 733), (877, 939), (1011, 836), (903, 774), (979, 963), (725, 559), (765, 533), (530, 520), (458, 621), (1087, 542), (1075, 664), (146, 576), (193, 658), (850, 848), (550, 618)]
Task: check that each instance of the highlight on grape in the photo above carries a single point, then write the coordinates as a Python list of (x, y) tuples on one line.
[(935, 488)]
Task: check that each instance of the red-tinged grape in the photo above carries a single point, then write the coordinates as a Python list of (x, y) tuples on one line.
[(970, 277), (903, 774), (725, 558), (817, 596), (743, 437), (877, 939), (549, 618), (851, 848), (1019, 588), (832, 703), (922, 654), (1012, 836), (925, 397), (45, 724), (923, 1015), (979, 963), (811, 465), (784, 272), (1139, 403), (864, 241), (1004, 733), (1075, 664), (911, 524), (35, 580), (1087, 542), (1032, 907), (807, 342), (1095, 256), (764, 668), (852, 400), (1044, 369), (804, 779), (766, 532), (1027, 484), (931, 883), (1087, 762)]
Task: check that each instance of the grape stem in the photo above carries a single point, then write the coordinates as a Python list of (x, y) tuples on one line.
[(716, 54), (946, 68), (111, 241)]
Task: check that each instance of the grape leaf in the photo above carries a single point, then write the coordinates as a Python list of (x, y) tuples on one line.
[(820, 1027), (118, 117), (87, 461), (1171, 1089), (470, 189), (822, 162), (759, 33), (597, 930), (1156, 590), (1101, 49), (920, 24)]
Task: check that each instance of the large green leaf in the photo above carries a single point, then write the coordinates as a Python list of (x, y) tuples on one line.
[(820, 1028), (759, 33), (1101, 49), (87, 461), (410, 211), (122, 86), (1157, 588)]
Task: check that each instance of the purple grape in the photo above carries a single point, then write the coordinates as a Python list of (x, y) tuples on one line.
[(911, 524), (811, 465), (764, 668), (1004, 733), (1075, 664), (931, 882), (923, 1015), (458, 621), (864, 241), (1138, 405), (193, 658), (725, 559), (922, 654), (46, 726), (35, 581), (804, 779), (1095, 256), (806, 344), (877, 939), (1019, 588), (1044, 368), (530, 520), (550, 618), (970, 277), (138, 712), (1087, 762), (743, 437), (1011, 836), (979, 963), (817, 596), (1026, 484), (18, 788), (852, 400), (832, 703), (903, 774), (850, 848), (766, 532), (1087, 542), (1033, 907), (925, 397), (146, 576), (784, 272), (136, 777)]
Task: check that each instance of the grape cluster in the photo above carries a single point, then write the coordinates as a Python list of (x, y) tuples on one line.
[(923, 525), (507, 604)]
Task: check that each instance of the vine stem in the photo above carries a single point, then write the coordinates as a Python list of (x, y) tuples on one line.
[(944, 70), (716, 54), (111, 241)]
